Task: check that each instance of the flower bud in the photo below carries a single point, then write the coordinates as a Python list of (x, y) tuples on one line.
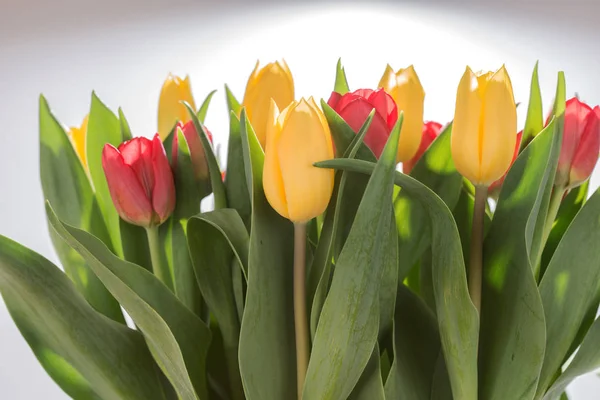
[(77, 136), (170, 107), (355, 107), (273, 81), (297, 138), (431, 130), (405, 88), (485, 122), (140, 181), (197, 153)]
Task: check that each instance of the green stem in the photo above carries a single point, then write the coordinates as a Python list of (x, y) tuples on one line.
[(476, 254), (300, 316), (160, 269), (553, 207)]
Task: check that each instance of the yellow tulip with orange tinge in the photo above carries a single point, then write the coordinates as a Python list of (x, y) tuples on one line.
[(170, 109)]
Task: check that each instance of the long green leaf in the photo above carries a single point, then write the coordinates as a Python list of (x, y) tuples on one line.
[(103, 127), (348, 327), (570, 286), (125, 129), (513, 331), (236, 187), (232, 103), (341, 83), (535, 118), (457, 316), (267, 349), (215, 239), (177, 338), (203, 110), (65, 183), (370, 384), (89, 356)]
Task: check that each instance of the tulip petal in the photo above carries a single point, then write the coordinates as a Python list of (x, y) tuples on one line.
[(324, 124), (128, 195), (272, 179), (163, 193), (465, 140), (385, 106), (576, 113), (431, 130), (355, 115), (334, 99), (137, 153), (303, 142), (499, 124), (410, 97), (78, 136), (586, 156), (170, 110), (388, 80)]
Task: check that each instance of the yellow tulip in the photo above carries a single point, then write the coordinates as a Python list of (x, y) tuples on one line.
[(485, 121), (170, 110), (405, 88), (273, 81), (77, 136), (296, 138)]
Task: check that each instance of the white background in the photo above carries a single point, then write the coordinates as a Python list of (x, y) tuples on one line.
[(124, 50)]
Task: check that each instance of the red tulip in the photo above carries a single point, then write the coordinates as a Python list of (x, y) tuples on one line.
[(140, 181), (355, 107), (196, 149), (431, 130), (580, 146), (495, 186)]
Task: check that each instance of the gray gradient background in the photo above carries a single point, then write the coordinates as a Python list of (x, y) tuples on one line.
[(124, 49)]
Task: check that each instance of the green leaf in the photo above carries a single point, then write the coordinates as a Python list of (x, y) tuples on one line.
[(348, 327), (267, 353), (513, 331), (343, 135), (125, 129), (236, 187), (535, 118), (89, 356), (457, 316), (341, 83), (232, 103), (65, 183), (177, 338), (135, 245), (416, 349), (570, 286), (560, 98), (586, 360), (103, 127), (216, 180), (203, 110), (370, 384), (215, 239)]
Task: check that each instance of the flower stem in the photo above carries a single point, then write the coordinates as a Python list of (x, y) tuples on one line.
[(161, 270), (476, 255), (555, 200), (300, 317)]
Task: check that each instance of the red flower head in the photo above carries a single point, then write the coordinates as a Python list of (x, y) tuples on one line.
[(196, 149), (355, 107), (140, 181), (431, 130)]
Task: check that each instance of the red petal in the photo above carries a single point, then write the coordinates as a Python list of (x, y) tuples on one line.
[(385, 106), (163, 194), (586, 155), (137, 153), (430, 131), (334, 100), (196, 150), (128, 195)]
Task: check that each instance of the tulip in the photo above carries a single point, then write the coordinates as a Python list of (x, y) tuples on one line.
[(494, 188), (485, 122), (170, 107), (355, 107), (431, 130), (297, 138), (580, 146), (140, 181), (194, 143), (406, 90), (273, 81), (77, 136)]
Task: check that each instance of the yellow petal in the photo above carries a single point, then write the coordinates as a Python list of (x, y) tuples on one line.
[(388, 80), (303, 142), (499, 127), (410, 97), (465, 141), (170, 110), (78, 137), (274, 81), (272, 179), (325, 125)]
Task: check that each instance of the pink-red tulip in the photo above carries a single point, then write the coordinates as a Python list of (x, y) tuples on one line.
[(197, 153), (140, 181), (431, 130), (495, 186), (580, 146), (355, 107)]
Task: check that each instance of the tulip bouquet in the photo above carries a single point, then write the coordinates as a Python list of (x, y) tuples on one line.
[(320, 271)]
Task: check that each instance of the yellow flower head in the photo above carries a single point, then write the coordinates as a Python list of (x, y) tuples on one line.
[(296, 138), (77, 136), (273, 81), (170, 110), (405, 88), (485, 122)]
